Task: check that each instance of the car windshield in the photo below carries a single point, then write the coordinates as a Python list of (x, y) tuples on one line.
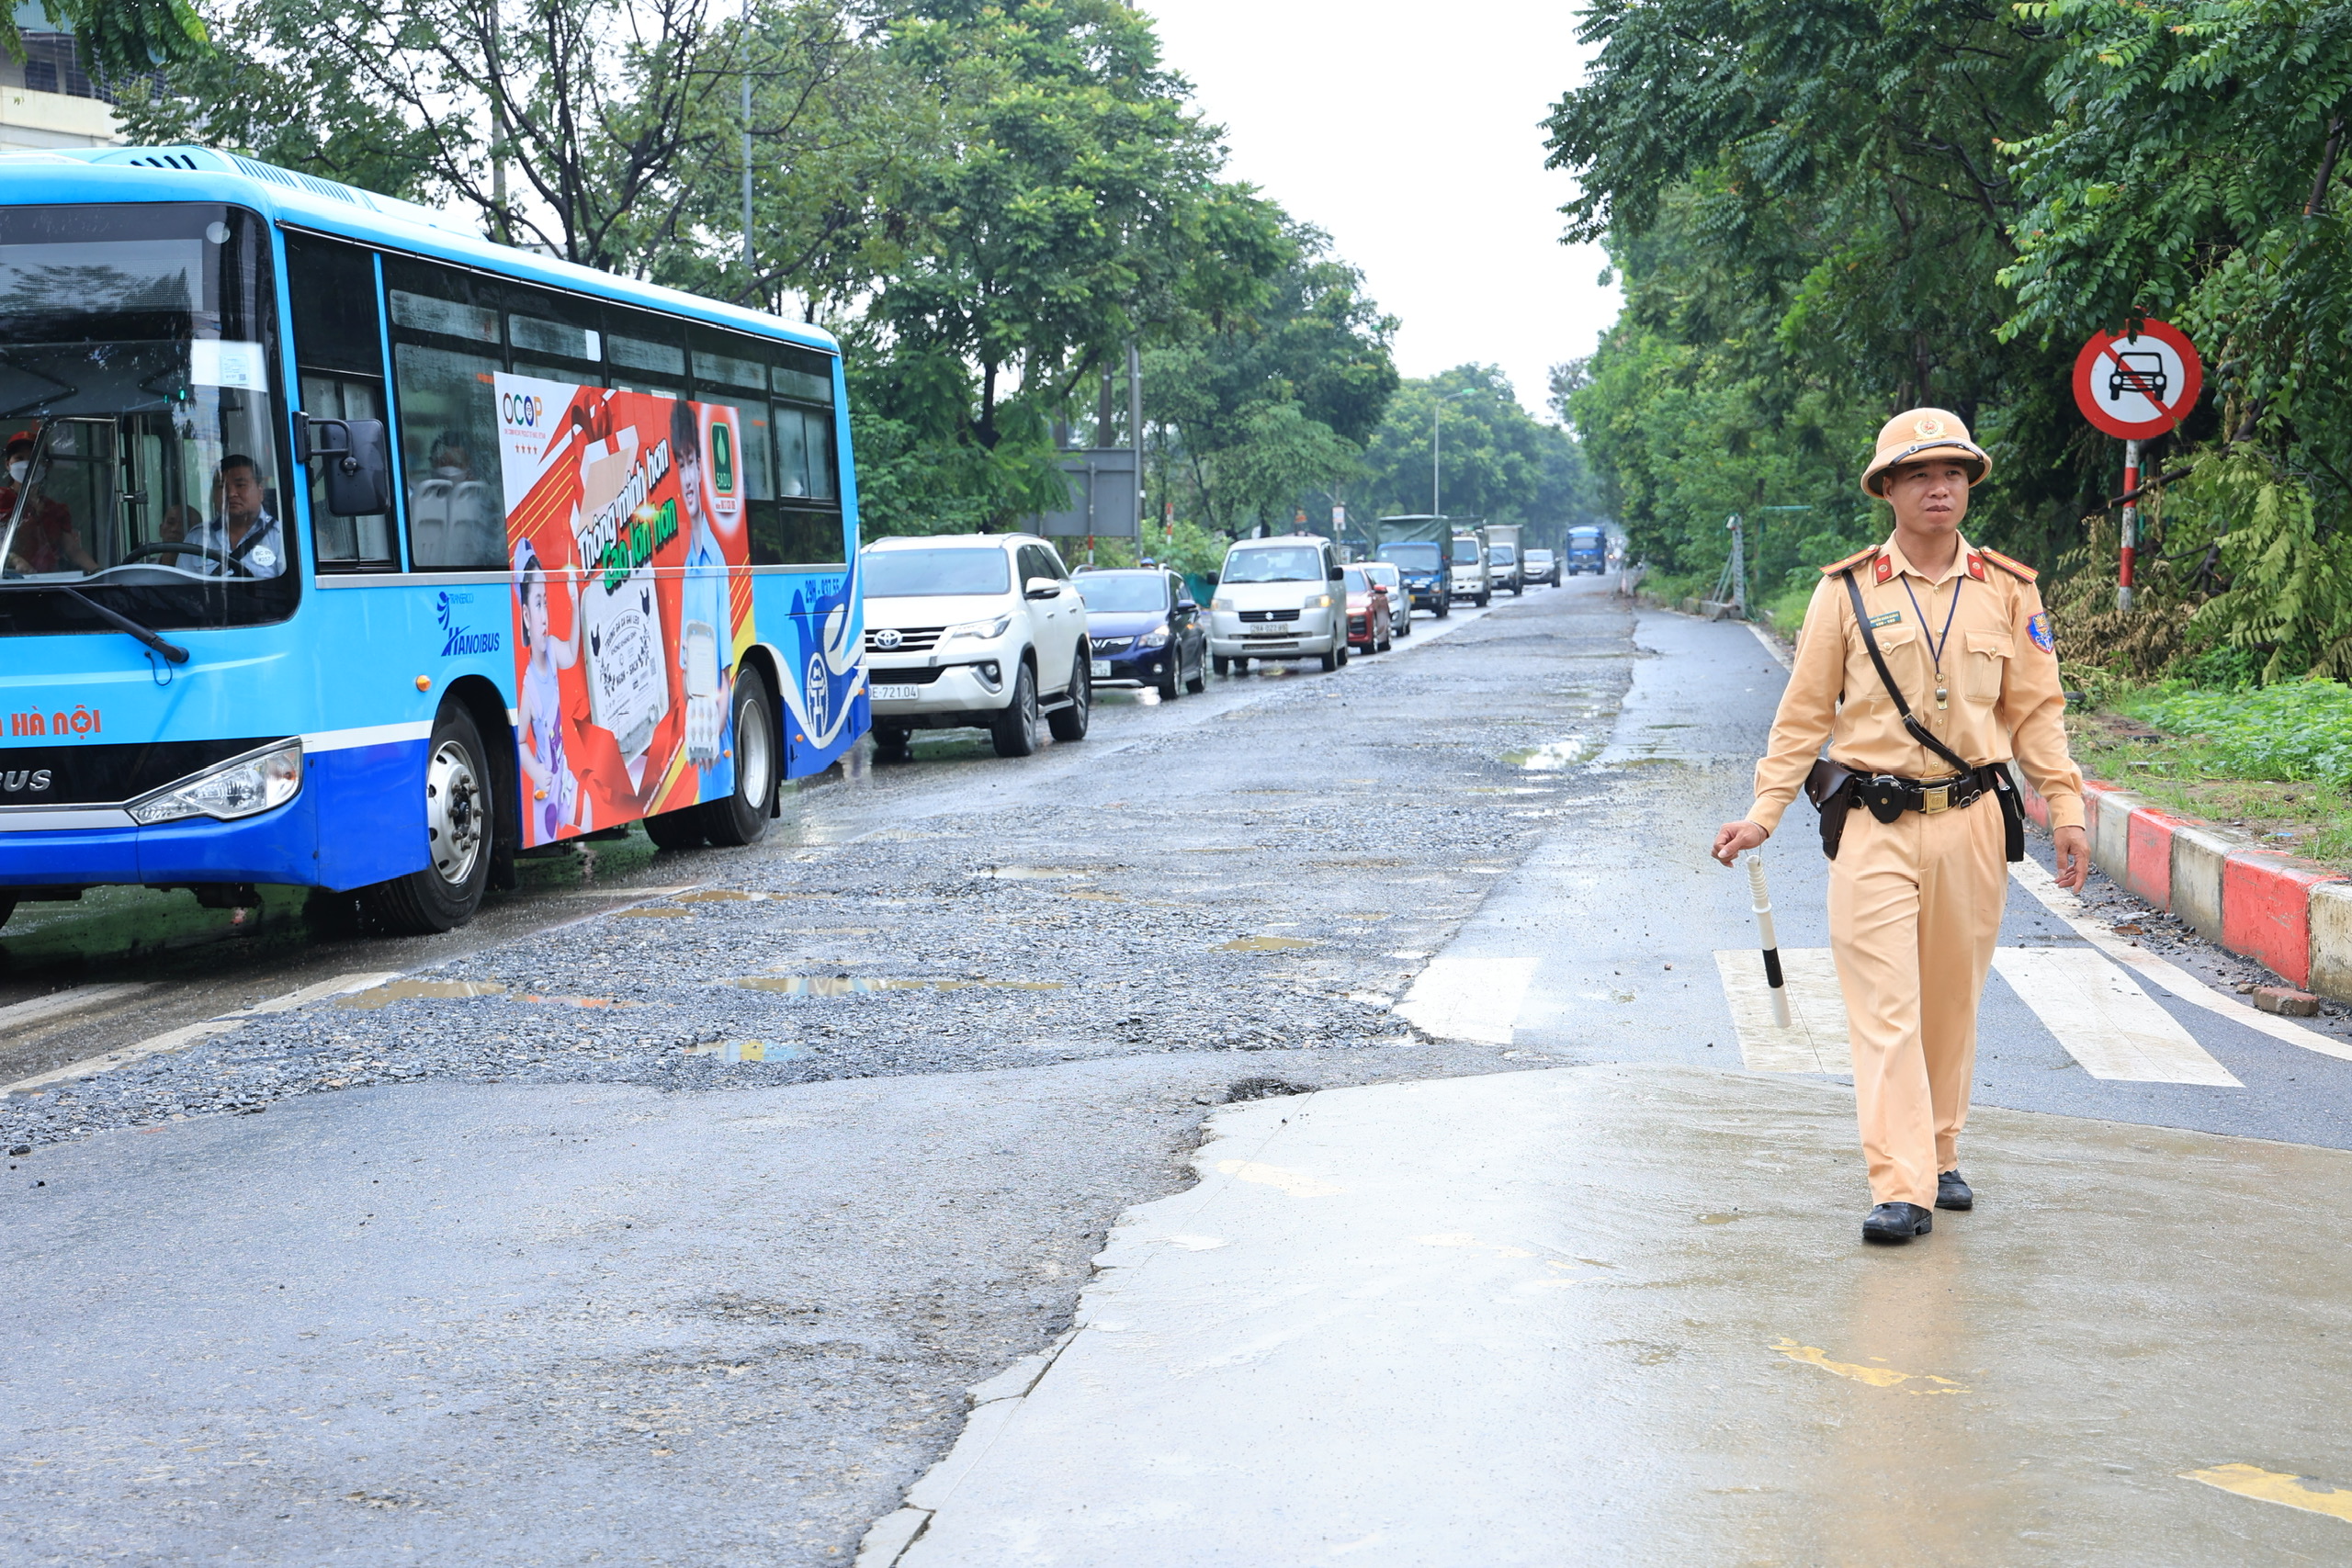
[(907, 574), (1386, 575), (1275, 563), (1465, 550), (1412, 556), (1119, 592), (138, 399), (1357, 582)]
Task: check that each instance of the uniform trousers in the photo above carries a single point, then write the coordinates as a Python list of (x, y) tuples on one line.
[(1914, 910)]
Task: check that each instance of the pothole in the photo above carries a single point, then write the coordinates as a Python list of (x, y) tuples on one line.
[(1264, 944), (404, 990), (748, 1050), (852, 985), (1550, 757), (1240, 1089)]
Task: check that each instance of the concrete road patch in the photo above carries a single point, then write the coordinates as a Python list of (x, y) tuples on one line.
[(1622, 1315)]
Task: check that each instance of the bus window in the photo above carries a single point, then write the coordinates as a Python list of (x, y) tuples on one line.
[(643, 353), (819, 427), (338, 344), (445, 360)]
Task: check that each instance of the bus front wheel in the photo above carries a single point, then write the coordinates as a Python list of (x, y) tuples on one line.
[(458, 811)]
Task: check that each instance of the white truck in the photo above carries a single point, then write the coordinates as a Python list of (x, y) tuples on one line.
[(1470, 571), (1505, 566)]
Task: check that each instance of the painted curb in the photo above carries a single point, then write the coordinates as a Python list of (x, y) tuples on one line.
[(2292, 916)]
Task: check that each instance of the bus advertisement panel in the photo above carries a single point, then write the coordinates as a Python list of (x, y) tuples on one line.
[(631, 600)]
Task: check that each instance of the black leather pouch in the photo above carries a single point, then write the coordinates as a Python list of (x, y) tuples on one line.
[(1828, 786)]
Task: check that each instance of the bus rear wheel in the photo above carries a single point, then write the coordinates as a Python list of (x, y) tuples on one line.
[(458, 811), (742, 817)]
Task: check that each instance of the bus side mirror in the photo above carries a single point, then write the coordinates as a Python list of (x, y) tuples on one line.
[(358, 463)]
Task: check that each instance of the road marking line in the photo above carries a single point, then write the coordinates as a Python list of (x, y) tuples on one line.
[(1817, 1039), (187, 1035), (2104, 1020), (1469, 998), (80, 998), (2276, 1486), (2171, 977), (1781, 655)]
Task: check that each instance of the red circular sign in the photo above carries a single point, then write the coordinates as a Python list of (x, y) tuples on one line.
[(2137, 387)]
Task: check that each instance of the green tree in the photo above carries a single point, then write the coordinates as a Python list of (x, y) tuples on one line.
[(1498, 461), (117, 38), (1810, 207), (1261, 411)]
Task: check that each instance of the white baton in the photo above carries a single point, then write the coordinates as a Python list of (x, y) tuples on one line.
[(1771, 944)]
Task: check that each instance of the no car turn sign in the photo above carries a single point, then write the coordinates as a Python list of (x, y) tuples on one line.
[(2137, 387)]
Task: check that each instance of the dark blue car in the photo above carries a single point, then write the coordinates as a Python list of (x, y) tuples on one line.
[(1145, 631)]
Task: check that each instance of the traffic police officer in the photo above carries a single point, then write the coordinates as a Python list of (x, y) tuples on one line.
[(1915, 899)]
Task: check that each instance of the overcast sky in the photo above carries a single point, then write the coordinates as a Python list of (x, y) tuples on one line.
[(1412, 134)]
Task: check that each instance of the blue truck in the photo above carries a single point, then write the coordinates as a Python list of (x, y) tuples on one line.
[(1587, 550)]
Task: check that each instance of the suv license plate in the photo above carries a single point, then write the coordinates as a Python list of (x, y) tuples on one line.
[(1101, 669), (896, 693)]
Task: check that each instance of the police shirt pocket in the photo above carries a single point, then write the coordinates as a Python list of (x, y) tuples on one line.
[(1894, 643), (1988, 664)]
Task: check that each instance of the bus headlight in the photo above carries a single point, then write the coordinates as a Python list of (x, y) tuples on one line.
[(242, 786)]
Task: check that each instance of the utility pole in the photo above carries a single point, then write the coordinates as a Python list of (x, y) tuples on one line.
[(2130, 525), (749, 266)]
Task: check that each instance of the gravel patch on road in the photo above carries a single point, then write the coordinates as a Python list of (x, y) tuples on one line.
[(1269, 880)]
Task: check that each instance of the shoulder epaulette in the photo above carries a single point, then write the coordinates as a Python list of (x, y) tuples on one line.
[(2016, 568), (1857, 559)]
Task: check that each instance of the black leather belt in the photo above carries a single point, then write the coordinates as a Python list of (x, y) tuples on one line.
[(1888, 797)]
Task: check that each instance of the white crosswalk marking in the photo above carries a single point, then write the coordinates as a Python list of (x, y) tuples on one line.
[(1469, 998), (2094, 1009), (1815, 1040), (2105, 1020)]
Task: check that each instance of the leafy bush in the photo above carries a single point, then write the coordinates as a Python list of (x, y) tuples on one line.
[(2296, 731)]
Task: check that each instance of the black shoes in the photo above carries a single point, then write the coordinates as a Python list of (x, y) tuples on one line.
[(1897, 1222), (1952, 1192)]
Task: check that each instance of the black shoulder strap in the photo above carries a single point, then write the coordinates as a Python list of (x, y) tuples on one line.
[(1919, 732)]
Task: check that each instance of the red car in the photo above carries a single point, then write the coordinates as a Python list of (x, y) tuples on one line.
[(1368, 624)]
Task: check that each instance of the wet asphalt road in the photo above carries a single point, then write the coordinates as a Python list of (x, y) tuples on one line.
[(522, 1277), (517, 1268)]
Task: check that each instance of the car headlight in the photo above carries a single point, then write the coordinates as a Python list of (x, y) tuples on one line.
[(1319, 601), (1155, 638), (243, 787), (979, 631), (1220, 603)]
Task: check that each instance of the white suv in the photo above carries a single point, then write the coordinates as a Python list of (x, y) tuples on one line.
[(982, 631), (1278, 598)]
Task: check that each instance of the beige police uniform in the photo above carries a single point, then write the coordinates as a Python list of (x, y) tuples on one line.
[(1915, 905)]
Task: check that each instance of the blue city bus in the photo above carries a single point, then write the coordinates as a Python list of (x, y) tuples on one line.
[(343, 548)]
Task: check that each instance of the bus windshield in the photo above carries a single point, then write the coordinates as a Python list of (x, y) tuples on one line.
[(138, 365), (1412, 556)]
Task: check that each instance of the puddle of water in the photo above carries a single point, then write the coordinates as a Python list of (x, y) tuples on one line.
[(1033, 873), (850, 985), (1552, 757), (1264, 944), (1098, 898), (723, 896), (1360, 860), (581, 1001), (748, 1050), (401, 990), (1718, 1219), (651, 911)]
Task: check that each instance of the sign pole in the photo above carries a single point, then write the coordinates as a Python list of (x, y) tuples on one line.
[(2130, 525)]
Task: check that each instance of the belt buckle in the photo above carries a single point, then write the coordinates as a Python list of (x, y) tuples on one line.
[(1935, 798)]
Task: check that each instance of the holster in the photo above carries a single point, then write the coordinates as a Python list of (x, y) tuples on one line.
[(1830, 789), (2012, 812)]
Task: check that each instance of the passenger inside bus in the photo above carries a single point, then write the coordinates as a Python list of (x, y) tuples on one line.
[(46, 538), (245, 533), (451, 511)]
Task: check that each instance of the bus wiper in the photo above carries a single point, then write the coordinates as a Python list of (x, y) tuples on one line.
[(115, 618)]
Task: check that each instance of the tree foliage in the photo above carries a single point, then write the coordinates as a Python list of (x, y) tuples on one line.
[(1496, 460)]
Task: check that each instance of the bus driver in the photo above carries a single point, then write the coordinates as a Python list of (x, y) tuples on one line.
[(245, 533)]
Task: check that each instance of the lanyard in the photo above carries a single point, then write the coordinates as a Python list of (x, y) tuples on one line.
[(1935, 645)]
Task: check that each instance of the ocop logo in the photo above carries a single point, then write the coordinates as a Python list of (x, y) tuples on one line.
[(522, 410)]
